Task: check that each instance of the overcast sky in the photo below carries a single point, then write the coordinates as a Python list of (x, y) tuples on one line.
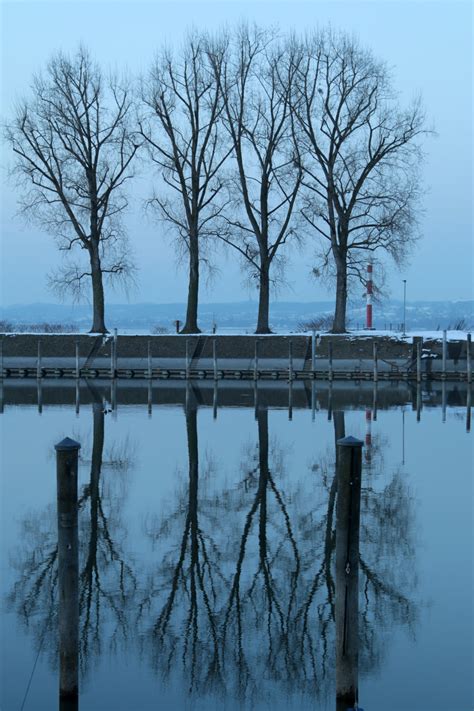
[(428, 44)]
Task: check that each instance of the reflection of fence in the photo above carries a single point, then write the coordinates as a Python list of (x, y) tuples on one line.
[(237, 358)]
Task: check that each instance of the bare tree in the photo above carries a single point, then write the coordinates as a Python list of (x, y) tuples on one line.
[(181, 130), (74, 147), (361, 158), (256, 81)]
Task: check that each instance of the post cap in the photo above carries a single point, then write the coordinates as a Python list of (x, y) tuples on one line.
[(66, 444), (350, 442)]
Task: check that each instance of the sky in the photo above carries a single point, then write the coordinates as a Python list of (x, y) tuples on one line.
[(427, 44)]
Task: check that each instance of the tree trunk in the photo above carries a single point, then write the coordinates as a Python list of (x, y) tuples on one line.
[(263, 325), (191, 325), (339, 323), (98, 304)]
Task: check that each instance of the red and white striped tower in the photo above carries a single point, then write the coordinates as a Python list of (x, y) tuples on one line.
[(369, 296), (368, 434)]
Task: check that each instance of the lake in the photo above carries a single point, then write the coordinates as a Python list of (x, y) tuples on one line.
[(207, 546)]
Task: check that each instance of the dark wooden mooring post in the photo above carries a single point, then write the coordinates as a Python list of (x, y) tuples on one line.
[(67, 455), (349, 467)]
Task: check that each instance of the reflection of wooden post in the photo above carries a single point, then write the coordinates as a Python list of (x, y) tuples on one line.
[(68, 568), (255, 398), (330, 401), (290, 400), (375, 401), (39, 390), (330, 360), (313, 400), (443, 400), (349, 464), (115, 351), (214, 401), (112, 358), (468, 410), (78, 397), (1, 395), (187, 358), (150, 397), (313, 352), (1, 357), (418, 402)]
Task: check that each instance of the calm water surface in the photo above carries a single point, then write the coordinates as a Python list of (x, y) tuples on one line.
[(207, 556)]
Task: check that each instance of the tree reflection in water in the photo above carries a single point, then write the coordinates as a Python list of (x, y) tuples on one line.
[(255, 608), (107, 582)]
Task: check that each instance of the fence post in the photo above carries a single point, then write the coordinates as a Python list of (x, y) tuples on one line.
[(468, 358), (290, 360), (349, 468), (150, 364), (78, 371), (38, 361), (375, 356), (418, 361), (214, 357), (255, 362), (445, 348), (67, 452)]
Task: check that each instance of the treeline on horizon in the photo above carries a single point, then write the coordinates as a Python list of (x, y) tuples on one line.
[(253, 135)]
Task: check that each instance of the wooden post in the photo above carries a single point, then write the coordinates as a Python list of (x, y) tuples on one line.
[(68, 568), (445, 348), (38, 361), (255, 362), (349, 468), (418, 361), (214, 357), (313, 351), (330, 373), (468, 359), (187, 358), (375, 357), (78, 370), (150, 363), (290, 360)]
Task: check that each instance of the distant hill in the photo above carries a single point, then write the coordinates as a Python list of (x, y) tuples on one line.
[(242, 315)]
